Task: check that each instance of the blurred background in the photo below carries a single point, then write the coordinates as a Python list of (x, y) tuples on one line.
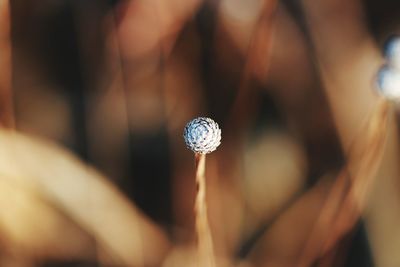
[(115, 82)]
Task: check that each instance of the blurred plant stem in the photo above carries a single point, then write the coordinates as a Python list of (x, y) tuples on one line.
[(125, 236), (256, 62), (6, 102), (257, 52), (347, 68)]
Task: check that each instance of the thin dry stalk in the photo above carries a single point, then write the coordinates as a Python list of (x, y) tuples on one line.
[(6, 103), (362, 180), (204, 239), (346, 69), (259, 47), (346, 200)]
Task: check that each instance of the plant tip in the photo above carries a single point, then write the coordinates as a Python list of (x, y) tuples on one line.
[(202, 135)]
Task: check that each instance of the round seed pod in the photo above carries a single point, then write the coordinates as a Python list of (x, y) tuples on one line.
[(391, 51), (388, 83), (202, 135)]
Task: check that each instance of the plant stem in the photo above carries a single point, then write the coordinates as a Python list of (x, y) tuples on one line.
[(6, 103), (347, 198), (206, 256), (346, 70)]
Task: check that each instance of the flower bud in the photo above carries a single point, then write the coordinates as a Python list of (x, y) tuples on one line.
[(202, 135)]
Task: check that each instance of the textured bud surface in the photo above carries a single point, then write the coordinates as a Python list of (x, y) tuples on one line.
[(388, 82), (202, 135), (392, 51)]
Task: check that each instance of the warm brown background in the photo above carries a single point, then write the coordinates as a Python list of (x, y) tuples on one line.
[(289, 82)]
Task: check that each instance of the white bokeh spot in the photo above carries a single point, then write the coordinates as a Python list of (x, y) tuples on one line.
[(388, 82)]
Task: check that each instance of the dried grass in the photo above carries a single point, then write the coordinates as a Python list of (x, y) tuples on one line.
[(85, 196), (6, 101), (347, 198), (206, 256)]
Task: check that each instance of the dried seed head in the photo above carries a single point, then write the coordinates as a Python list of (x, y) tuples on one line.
[(391, 51), (202, 135), (388, 83)]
